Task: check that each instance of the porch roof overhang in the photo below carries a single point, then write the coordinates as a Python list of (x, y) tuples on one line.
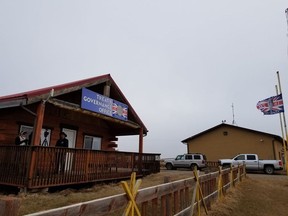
[(118, 125)]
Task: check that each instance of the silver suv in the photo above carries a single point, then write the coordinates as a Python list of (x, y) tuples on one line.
[(187, 161)]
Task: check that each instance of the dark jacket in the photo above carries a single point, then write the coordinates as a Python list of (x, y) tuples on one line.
[(19, 142), (62, 143)]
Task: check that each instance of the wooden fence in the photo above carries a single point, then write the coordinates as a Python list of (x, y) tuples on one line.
[(174, 198)]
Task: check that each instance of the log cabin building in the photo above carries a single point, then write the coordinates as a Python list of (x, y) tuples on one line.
[(92, 113)]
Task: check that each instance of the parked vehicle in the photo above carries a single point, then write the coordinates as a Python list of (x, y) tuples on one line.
[(186, 161), (253, 163)]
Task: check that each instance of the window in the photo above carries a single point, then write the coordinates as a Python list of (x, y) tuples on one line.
[(251, 157), (225, 133), (92, 143), (197, 157), (240, 157), (45, 134), (188, 157), (180, 157)]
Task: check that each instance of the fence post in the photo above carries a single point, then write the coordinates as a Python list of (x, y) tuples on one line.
[(167, 179), (231, 176), (199, 193), (131, 194), (239, 174), (196, 173), (220, 184), (9, 206)]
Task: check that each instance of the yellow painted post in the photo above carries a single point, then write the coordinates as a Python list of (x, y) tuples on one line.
[(199, 193), (197, 190), (220, 184), (131, 192)]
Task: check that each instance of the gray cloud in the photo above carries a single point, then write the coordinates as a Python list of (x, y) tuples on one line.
[(180, 64)]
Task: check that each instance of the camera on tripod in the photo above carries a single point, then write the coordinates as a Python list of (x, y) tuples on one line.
[(46, 133)]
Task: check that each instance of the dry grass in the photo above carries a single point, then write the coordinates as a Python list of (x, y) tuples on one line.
[(34, 202), (257, 195)]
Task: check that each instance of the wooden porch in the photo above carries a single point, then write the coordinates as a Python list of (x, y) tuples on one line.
[(40, 167)]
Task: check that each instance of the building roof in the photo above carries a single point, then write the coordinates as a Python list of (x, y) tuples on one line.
[(34, 96), (45, 91), (231, 126)]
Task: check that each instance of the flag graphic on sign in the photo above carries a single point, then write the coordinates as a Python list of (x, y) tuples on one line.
[(120, 110), (271, 105)]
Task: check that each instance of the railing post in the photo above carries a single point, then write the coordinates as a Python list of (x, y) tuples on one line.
[(132, 162), (87, 165), (140, 164), (32, 161)]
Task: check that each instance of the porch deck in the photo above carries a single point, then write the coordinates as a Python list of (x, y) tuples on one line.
[(40, 167)]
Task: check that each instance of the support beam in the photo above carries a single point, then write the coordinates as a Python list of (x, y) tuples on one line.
[(36, 139), (141, 140), (107, 89), (38, 124), (140, 150)]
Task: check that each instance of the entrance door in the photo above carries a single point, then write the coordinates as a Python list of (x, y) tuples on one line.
[(71, 136)]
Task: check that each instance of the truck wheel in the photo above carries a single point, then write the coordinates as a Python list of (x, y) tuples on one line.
[(169, 166), (269, 170), (193, 166)]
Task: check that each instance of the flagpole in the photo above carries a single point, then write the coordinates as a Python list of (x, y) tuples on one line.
[(285, 126), (281, 124)]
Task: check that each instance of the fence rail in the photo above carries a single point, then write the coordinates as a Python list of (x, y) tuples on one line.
[(174, 198)]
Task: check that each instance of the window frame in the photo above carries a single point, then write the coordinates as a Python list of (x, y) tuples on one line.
[(99, 144), (29, 129)]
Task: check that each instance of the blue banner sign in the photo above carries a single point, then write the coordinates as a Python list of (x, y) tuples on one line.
[(101, 104)]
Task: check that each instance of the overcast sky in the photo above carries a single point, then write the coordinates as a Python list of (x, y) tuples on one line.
[(181, 64)]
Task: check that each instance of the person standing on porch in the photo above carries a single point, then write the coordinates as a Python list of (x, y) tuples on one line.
[(21, 139), (61, 154)]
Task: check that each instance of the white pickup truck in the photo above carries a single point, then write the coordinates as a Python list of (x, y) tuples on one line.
[(252, 162)]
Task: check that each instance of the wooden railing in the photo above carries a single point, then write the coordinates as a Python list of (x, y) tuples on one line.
[(174, 198), (40, 167), (212, 163)]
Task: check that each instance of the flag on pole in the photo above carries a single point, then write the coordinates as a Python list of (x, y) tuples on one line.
[(271, 105)]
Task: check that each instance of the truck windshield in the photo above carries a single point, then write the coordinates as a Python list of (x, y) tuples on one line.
[(240, 157)]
